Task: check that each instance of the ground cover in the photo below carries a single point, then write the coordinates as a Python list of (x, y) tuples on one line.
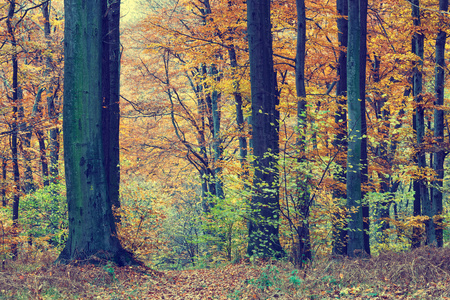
[(420, 274)]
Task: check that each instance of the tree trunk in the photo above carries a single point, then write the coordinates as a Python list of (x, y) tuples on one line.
[(439, 156), (217, 139), (421, 199), (356, 242), (88, 155), (43, 156), (29, 185), (239, 112), (381, 151), (53, 142), (4, 173), (362, 101), (340, 234), (15, 127), (302, 195), (263, 226), (111, 98)]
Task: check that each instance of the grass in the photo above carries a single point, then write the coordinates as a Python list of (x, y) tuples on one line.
[(421, 274)]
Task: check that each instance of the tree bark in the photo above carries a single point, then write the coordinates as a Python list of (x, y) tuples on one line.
[(302, 247), (53, 143), (439, 156), (3, 185), (340, 234), (355, 155), (111, 98), (239, 113), (421, 199), (381, 151), (263, 226), (362, 101), (15, 127), (86, 124)]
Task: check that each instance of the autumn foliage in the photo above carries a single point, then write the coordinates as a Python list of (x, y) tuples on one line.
[(186, 159)]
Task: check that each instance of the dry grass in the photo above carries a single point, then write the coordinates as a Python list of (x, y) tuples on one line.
[(421, 274)]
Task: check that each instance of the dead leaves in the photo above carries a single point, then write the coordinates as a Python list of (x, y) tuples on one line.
[(421, 274)]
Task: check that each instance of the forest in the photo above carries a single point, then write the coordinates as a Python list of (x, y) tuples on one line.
[(292, 149)]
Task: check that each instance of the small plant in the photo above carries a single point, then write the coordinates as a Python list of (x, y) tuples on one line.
[(236, 295), (294, 280), (110, 270), (267, 279)]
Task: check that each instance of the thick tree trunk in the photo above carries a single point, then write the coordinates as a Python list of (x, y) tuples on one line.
[(265, 207), (439, 156), (88, 159), (356, 243)]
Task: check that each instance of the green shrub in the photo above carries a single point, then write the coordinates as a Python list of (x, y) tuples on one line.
[(43, 216)]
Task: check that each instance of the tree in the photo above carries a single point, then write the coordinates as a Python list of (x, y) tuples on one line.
[(263, 225), (439, 156), (302, 195), (90, 129), (340, 140), (52, 106), (362, 101), (421, 196), (15, 127), (356, 116)]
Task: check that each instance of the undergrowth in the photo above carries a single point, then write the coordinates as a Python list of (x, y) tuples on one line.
[(421, 274)]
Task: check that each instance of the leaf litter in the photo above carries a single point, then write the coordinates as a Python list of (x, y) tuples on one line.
[(420, 274)]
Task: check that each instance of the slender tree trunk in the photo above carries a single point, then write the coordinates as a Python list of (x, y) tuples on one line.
[(340, 234), (239, 111), (263, 226), (28, 128), (381, 151), (4, 176), (217, 143), (439, 156), (43, 156), (421, 199), (15, 128), (362, 101), (25, 144), (302, 196), (53, 142)]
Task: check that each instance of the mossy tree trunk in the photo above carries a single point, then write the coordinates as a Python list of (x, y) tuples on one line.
[(90, 124)]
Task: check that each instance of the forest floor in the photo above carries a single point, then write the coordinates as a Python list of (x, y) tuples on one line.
[(421, 274)]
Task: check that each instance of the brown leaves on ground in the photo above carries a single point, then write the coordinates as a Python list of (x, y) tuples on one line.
[(420, 274)]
